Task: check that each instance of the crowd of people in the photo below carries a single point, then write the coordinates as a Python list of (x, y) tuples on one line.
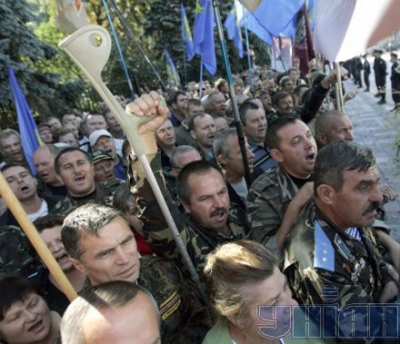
[(284, 214)]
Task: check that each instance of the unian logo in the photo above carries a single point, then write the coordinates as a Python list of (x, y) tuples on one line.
[(354, 321)]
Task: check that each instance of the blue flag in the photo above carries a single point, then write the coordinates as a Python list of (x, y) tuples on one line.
[(30, 138), (204, 35), (234, 30), (245, 18), (186, 34), (274, 15), (173, 76)]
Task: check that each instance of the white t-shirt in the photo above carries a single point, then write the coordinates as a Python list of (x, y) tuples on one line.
[(42, 211)]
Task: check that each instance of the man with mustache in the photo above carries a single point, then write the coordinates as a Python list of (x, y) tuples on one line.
[(331, 256), (202, 192)]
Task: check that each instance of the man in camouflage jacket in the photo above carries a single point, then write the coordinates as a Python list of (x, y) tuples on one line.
[(277, 196), (331, 257), (206, 226), (100, 243)]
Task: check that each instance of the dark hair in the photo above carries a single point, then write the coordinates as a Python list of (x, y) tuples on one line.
[(12, 164), (276, 98), (49, 221), (66, 131), (273, 140), (200, 167), (122, 197), (246, 106), (125, 145), (65, 151), (317, 79), (298, 88), (13, 289), (87, 219), (338, 157), (174, 97)]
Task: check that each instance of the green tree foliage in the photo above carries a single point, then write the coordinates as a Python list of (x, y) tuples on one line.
[(52, 82), (21, 49)]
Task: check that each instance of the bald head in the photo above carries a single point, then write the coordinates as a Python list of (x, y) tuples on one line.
[(333, 126)]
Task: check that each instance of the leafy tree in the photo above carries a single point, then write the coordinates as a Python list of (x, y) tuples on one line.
[(21, 49)]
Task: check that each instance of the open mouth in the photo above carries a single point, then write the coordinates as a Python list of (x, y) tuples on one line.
[(24, 188), (218, 213), (36, 327), (310, 156), (79, 179), (61, 257)]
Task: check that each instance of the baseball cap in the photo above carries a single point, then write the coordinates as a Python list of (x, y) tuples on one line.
[(97, 134), (99, 156)]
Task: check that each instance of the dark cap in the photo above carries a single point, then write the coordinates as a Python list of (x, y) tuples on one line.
[(378, 51), (99, 156)]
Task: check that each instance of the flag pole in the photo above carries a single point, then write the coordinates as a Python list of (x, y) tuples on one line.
[(232, 94), (246, 32), (280, 54), (201, 79), (184, 63), (121, 56), (36, 240), (339, 89), (132, 36)]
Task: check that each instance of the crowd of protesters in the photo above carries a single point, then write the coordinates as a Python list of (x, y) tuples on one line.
[(283, 213)]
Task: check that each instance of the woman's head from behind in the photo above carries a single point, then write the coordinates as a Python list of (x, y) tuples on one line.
[(242, 276)]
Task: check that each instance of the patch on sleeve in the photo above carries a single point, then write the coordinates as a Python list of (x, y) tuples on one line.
[(324, 253), (170, 305)]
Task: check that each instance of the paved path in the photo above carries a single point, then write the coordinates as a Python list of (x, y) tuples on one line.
[(375, 126)]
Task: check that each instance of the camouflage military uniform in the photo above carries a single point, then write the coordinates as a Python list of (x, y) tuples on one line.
[(325, 266), (17, 256), (102, 195), (183, 318), (199, 241), (266, 203)]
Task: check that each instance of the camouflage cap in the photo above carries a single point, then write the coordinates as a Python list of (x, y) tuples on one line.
[(99, 156)]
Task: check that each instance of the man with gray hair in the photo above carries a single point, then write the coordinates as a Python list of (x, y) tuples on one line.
[(101, 244), (331, 253), (214, 104), (113, 312)]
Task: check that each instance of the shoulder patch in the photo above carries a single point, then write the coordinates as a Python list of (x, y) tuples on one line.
[(324, 253)]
